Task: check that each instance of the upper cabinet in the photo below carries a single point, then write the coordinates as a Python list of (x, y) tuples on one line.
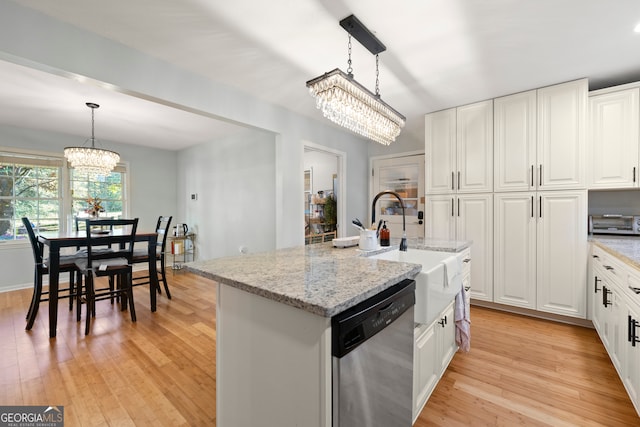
[(613, 138), (515, 142), (540, 138), (459, 149), (561, 151)]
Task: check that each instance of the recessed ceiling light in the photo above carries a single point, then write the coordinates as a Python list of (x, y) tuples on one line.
[(637, 28)]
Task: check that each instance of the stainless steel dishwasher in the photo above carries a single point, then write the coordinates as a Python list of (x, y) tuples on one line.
[(372, 360)]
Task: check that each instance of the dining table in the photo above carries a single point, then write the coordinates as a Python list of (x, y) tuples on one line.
[(56, 241)]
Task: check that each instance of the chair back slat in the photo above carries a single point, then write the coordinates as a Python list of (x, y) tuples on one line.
[(37, 247), (162, 228), (122, 243)]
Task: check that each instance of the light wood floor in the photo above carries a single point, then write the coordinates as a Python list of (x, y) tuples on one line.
[(160, 371)]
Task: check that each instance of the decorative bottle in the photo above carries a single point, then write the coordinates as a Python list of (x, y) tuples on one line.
[(385, 235)]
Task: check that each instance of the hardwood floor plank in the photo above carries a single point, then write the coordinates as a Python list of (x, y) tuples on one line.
[(160, 371)]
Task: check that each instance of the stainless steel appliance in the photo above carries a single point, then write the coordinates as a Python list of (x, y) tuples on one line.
[(614, 224), (372, 363)]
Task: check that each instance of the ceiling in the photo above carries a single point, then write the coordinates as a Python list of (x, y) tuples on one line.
[(440, 54)]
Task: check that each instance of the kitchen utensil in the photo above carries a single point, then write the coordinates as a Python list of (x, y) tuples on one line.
[(357, 226), (357, 223), (378, 229)]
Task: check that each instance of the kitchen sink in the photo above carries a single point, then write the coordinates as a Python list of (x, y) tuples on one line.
[(431, 295)]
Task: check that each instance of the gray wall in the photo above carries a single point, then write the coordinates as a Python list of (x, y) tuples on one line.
[(234, 180)]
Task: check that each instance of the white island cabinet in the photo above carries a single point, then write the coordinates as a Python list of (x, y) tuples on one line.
[(273, 329), (274, 363)]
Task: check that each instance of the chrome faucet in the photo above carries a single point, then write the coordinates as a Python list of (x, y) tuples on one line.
[(403, 242)]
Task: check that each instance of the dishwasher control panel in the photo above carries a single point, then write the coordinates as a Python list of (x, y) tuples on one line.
[(361, 322)]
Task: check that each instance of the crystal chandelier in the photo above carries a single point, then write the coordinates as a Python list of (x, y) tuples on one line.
[(91, 160), (349, 104)]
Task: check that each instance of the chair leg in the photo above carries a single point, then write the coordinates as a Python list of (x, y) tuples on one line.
[(33, 296), (35, 301), (89, 292), (71, 289), (164, 278), (79, 297), (129, 287)]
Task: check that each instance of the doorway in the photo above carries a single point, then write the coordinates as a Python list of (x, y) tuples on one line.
[(324, 191)]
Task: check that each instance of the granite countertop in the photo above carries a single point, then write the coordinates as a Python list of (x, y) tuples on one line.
[(626, 248), (317, 278)]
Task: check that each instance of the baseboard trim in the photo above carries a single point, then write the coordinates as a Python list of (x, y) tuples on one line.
[(534, 313)]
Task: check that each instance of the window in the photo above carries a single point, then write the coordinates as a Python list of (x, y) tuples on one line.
[(42, 189), (29, 186), (108, 190)]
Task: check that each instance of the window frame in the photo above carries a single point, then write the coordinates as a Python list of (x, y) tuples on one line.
[(65, 198)]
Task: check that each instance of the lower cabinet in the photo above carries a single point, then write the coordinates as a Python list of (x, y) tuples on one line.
[(435, 345), (540, 249), (616, 316)]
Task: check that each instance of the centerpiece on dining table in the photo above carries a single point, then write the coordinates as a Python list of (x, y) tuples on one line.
[(95, 207)]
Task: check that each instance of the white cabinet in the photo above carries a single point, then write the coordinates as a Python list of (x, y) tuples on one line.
[(440, 151), (613, 139), (466, 217), (561, 133), (459, 149), (631, 372), (515, 142), (435, 346), (540, 138), (562, 252), (616, 316), (541, 251), (515, 249)]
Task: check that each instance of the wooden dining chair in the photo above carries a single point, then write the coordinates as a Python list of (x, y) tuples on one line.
[(67, 264), (142, 255), (115, 263)]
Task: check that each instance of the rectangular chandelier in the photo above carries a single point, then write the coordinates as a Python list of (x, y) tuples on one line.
[(347, 103)]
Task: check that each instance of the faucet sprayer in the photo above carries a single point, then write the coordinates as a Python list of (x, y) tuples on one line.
[(403, 242)]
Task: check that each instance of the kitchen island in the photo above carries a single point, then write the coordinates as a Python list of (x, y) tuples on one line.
[(273, 324)]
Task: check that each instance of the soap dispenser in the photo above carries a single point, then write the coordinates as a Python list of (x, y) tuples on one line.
[(385, 235)]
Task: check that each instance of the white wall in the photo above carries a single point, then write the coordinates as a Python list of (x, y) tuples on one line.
[(234, 179), (152, 191)]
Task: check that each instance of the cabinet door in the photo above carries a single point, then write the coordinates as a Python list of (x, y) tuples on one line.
[(474, 221), (561, 149), (440, 151), (617, 326), (631, 377), (474, 171), (425, 367), (562, 252), (439, 217), (595, 288), (515, 142), (515, 249), (447, 334), (613, 139)]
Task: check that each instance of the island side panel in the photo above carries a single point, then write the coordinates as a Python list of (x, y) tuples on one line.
[(273, 363)]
